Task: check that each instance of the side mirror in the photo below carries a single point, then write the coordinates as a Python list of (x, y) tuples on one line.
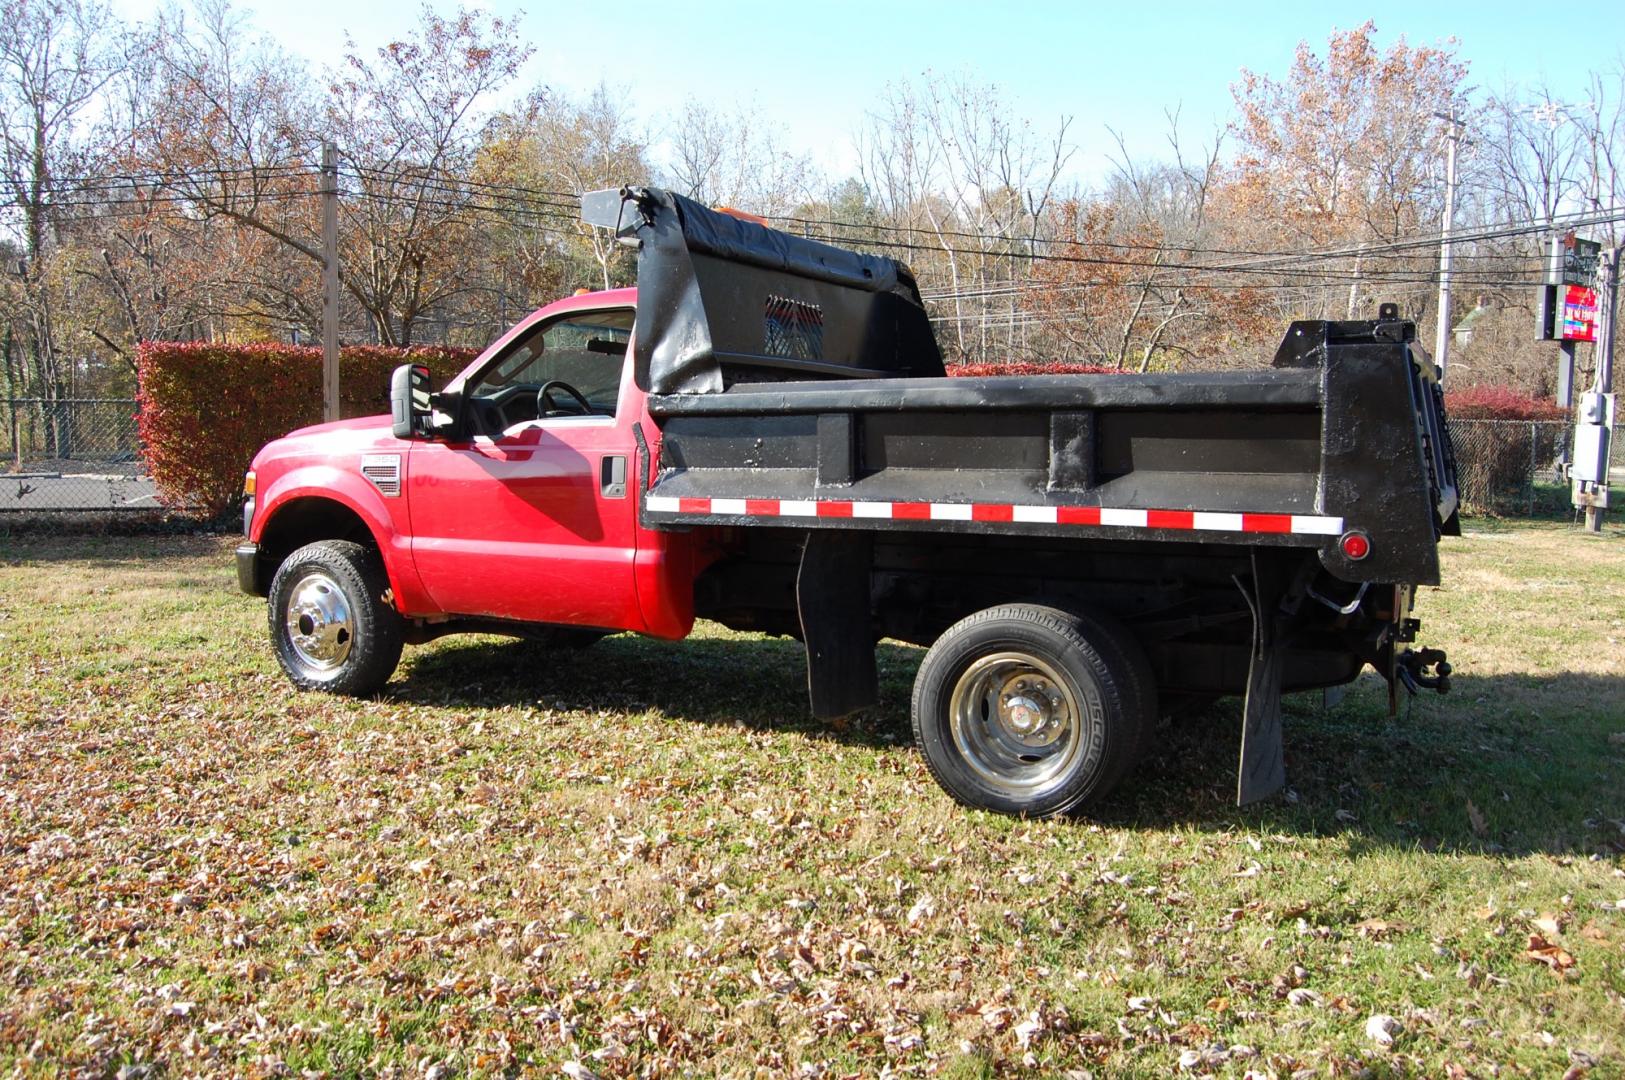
[(409, 401)]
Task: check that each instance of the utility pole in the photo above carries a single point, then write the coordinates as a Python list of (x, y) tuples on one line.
[(1441, 340), (1607, 294), (1603, 385), (330, 281)]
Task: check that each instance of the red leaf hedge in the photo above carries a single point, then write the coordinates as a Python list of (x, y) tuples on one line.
[(1024, 367), (1499, 403), (206, 407)]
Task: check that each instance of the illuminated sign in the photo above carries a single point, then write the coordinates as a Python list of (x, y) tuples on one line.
[(1579, 314)]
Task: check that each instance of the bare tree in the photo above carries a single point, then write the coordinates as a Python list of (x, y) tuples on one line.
[(951, 160), (737, 159), (55, 59)]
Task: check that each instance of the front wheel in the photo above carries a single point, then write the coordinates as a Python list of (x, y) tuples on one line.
[(1017, 710), (331, 622)]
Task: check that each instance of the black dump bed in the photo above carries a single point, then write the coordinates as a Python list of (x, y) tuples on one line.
[(798, 384)]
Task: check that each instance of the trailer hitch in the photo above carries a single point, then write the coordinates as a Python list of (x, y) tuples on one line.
[(1412, 668)]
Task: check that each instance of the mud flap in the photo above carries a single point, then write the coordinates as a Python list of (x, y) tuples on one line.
[(1262, 770), (832, 597)]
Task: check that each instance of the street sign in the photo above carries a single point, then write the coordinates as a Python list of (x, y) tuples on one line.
[(1576, 261)]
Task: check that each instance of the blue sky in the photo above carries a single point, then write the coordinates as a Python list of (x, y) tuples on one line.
[(817, 71)]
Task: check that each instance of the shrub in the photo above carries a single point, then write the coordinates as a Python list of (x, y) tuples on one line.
[(1499, 403), (206, 407)]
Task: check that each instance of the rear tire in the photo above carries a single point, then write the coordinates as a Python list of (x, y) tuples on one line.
[(1026, 709), (1120, 646), (332, 623)]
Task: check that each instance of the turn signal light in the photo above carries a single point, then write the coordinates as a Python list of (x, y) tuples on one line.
[(248, 483), (1356, 545)]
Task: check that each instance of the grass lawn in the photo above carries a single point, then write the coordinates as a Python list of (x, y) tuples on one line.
[(644, 858)]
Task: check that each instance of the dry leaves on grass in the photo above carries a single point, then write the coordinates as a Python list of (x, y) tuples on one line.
[(202, 874)]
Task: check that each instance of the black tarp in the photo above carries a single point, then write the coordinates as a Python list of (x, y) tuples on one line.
[(723, 300)]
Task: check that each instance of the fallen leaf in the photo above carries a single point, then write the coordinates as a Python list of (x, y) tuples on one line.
[(1377, 927), (1381, 1029), (1542, 951), (923, 909), (1475, 818), (1547, 924)]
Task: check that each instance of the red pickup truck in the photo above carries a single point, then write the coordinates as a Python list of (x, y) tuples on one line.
[(763, 435)]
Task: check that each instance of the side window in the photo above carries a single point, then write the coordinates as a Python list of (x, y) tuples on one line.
[(585, 352)]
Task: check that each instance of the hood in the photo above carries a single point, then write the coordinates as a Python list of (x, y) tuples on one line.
[(357, 435), (355, 423)]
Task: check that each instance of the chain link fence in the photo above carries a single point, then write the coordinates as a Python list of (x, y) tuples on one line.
[(72, 454), (1512, 468)]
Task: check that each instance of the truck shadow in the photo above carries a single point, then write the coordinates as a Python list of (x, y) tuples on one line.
[(750, 681), (1511, 764)]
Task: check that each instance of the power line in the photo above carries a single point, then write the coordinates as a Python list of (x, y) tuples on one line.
[(507, 202), (513, 197)]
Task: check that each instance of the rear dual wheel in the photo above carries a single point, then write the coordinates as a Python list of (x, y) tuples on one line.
[(1029, 709)]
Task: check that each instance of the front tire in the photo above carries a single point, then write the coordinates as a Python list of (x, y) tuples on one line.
[(331, 622), (1018, 710)]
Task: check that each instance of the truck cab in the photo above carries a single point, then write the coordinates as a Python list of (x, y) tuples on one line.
[(519, 515)]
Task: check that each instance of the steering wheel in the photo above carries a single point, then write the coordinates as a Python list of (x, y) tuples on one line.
[(546, 406)]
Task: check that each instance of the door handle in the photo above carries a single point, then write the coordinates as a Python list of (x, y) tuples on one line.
[(612, 476)]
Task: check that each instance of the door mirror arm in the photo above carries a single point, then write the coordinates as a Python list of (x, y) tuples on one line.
[(447, 416)]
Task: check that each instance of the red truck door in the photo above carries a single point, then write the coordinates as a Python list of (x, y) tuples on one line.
[(534, 518)]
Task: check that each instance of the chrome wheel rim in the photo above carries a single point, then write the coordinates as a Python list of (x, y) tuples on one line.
[(1016, 723), (319, 626)]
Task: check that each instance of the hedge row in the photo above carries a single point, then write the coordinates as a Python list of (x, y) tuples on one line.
[(1500, 403), (205, 407)]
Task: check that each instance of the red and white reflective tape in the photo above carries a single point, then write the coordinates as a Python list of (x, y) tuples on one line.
[(1097, 516)]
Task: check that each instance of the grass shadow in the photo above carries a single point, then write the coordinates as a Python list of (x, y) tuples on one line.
[(113, 549), (1530, 755)]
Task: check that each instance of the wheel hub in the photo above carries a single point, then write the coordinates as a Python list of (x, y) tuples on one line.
[(1015, 722), (319, 623), (1032, 711)]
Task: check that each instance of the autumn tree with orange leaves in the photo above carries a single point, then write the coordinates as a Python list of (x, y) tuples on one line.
[(1344, 152)]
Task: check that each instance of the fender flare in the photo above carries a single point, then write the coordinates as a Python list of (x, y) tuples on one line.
[(346, 489)]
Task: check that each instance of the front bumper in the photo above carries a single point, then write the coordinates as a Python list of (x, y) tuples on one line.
[(248, 565)]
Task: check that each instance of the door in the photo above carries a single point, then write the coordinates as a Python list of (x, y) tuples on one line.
[(534, 518)]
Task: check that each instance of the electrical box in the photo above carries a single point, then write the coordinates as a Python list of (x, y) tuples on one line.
[(1594, 424)]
